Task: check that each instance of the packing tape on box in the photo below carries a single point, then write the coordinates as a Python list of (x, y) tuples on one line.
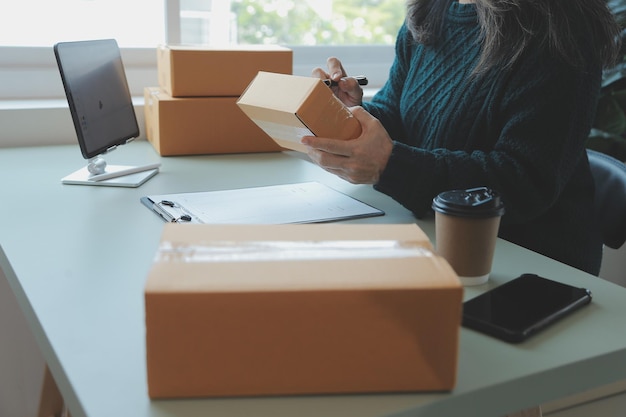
[(340, 112), (256, 251)]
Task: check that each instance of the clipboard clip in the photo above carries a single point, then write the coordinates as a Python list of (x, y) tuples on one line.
[(167, 215)]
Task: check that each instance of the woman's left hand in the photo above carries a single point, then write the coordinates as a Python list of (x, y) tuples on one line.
[(360, 160)]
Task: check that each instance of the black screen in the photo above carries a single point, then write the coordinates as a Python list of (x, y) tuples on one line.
[(523, 306), (97, 93)]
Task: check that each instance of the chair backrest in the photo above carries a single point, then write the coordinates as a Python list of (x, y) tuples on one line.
[(610, 201)]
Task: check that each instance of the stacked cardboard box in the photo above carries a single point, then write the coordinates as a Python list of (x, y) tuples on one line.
[(194, 110), (244, 310)]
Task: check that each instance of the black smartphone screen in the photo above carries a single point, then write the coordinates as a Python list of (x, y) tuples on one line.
[(521, 307)]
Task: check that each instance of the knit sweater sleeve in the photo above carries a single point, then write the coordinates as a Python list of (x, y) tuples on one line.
[(385, 105), (525, 140)]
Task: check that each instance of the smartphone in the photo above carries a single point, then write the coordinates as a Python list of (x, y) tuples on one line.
[(520, 308)]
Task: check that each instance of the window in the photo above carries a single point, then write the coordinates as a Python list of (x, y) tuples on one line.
[(291, 22), (29, 28), (42, 23), (141, 23), (353, 30)]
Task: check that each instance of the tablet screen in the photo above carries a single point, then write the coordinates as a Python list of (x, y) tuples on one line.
[(97, 93)]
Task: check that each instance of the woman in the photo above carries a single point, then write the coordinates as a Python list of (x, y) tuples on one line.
[(497, 93)]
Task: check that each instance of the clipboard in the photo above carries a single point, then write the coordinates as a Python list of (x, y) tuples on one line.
[(308, 202)]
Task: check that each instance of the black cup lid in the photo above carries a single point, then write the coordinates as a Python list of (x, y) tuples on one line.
[(478, 202)]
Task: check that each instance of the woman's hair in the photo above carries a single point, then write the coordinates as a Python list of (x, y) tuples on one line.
[(509, 27)]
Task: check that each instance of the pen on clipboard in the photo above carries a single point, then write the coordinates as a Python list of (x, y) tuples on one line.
[(361, 79)]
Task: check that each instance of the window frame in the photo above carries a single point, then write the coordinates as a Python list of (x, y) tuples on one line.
[(31, 73)]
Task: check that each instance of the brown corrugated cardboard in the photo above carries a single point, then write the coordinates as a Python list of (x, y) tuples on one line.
[(200, 125), (196, 71), (288, 107), (245, 310)]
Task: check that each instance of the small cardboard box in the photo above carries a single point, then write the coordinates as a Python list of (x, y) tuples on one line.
[(200, 125), (195, 71), (288, 107), (246, 310)]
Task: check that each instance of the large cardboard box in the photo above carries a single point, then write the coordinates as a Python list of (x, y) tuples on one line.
[(200, 125), (288, 107), (246, 310), (193, 71)]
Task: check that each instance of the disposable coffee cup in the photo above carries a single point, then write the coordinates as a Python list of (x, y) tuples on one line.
[(466, 230)]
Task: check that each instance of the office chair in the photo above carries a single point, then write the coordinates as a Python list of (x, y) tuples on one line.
[(609, 175)]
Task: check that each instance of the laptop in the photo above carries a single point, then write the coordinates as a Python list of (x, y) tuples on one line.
[(101, 107)]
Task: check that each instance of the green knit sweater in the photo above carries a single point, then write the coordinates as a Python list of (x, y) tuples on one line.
[(519, 131)]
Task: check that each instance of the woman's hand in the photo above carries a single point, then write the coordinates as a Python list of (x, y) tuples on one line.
[(348, 89), (360, 160)]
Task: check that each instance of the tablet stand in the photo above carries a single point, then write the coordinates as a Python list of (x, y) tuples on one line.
[(97, 172)]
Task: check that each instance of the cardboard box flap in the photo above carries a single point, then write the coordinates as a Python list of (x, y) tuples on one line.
[(302, 275), (296, 258), (197, 234), (277, 92)]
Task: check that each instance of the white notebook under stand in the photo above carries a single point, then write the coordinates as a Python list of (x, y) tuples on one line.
[(114, 176)]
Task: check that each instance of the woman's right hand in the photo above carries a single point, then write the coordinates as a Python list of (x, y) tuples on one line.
[(348, 89)]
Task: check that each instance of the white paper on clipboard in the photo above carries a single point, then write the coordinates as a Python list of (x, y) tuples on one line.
[(308, 202)]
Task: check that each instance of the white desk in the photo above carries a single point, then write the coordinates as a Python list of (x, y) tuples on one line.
[(81, 255)]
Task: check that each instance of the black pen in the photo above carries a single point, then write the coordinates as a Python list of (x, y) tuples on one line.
[(361, 79)]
